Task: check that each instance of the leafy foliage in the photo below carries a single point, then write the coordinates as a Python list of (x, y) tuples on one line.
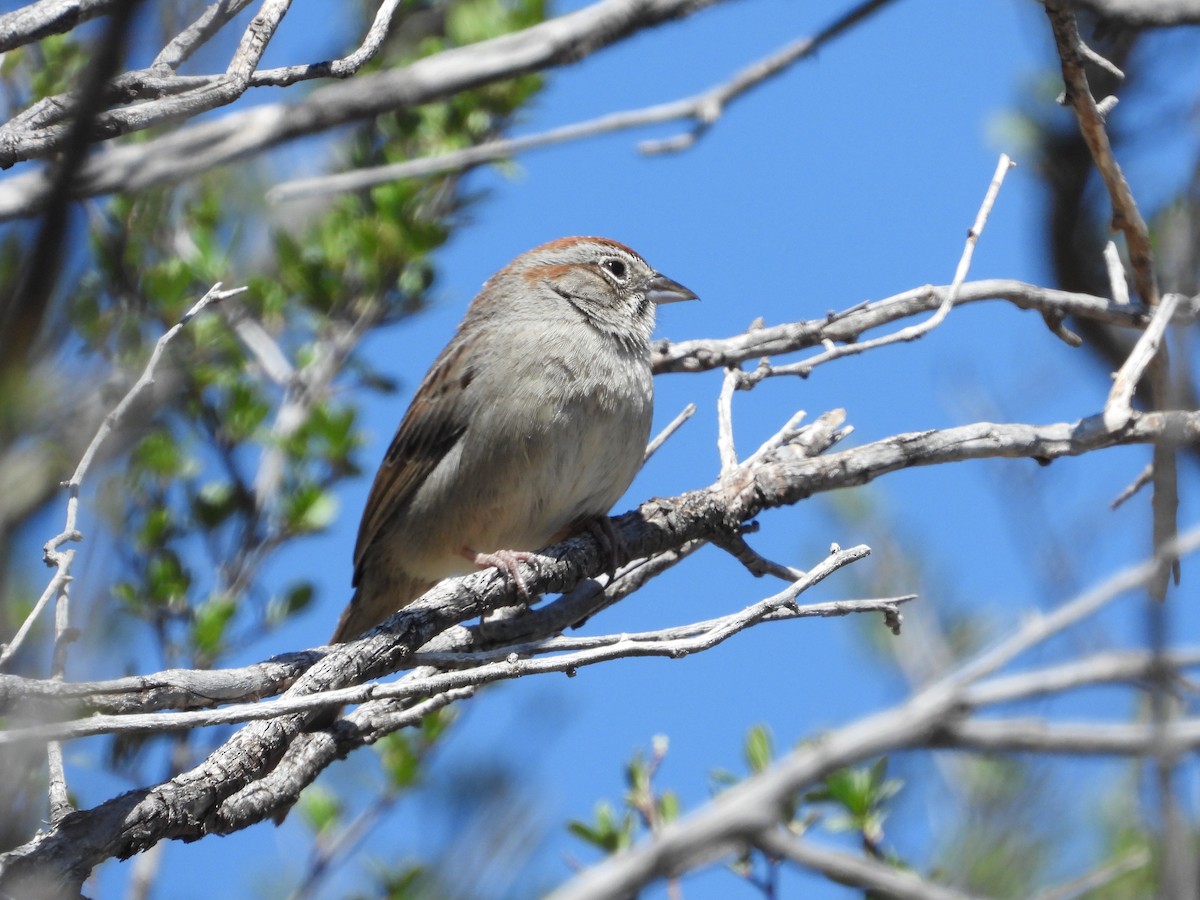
[(250, 429)]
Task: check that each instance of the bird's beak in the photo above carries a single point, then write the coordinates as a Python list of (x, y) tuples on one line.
[(663, 290)]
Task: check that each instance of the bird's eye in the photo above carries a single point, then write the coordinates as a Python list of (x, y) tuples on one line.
[(615, 266)]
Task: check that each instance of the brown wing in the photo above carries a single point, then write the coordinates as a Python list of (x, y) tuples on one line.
[(434, 423)]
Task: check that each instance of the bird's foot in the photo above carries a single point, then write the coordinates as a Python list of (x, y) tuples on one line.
[(612, 545), (507, 561)]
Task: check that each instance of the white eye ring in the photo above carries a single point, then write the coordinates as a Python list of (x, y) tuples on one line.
[(616, 267)]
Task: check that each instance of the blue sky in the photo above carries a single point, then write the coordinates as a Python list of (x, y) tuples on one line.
[(854, 176)]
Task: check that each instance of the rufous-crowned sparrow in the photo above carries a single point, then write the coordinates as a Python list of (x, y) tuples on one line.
[(532, 422)]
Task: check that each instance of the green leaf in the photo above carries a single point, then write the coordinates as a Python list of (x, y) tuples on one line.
[(309, 509), (214, 503), (606, 833), (434, 725), (166, 579), (720, 779), (208, 627), (157, 528), (400, 761), (668, 806), (158, 454), (758, 750), (320, 808), (296, 598)]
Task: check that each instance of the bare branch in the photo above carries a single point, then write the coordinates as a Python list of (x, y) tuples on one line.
[(851, 323), (1119, 406), (934, 716), (784, 476), (661, 438), (1116, 273), (1139, 14), (62, 560), (1144, 477), (1127, 218), (725, 447), (911, 332), (338, 68), (46, 17), (856, 871), (181, 47), (1102, 877), (1080, 739), (1113, 667), (198, 147), (704, 109), (572, 654)]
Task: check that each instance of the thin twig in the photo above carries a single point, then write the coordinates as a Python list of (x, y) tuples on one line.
[(661, 438), (337, 68), (1116, 274), (725, 447), (848, 325), (912, 332), (1119, 407), (703, 108), (735, 545), (693, 640), (1127, 218), (876, 877), (1043, 625), (1101, 877), (61, 559), (1144, 477)]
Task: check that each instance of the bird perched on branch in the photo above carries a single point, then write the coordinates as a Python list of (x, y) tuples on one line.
[(530, 424)]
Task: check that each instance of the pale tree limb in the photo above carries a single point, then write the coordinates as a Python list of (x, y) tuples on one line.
[(337, 68), (1101, 877), (675, 424), (182, 806), (1179, 738), (1119, 406), (198, 147), (1112, 667), (1139, 14), (46, 17), (782, 478), (704, 109), (1116, 273), (931, 717), (34, 137), (725, 446), (512, 662), (849, 324), (911, 332), (856, 871), (61, 559)]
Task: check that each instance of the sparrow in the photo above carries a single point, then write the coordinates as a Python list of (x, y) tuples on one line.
[(529, 426)]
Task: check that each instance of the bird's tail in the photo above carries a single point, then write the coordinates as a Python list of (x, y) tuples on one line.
[(373, 602)]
